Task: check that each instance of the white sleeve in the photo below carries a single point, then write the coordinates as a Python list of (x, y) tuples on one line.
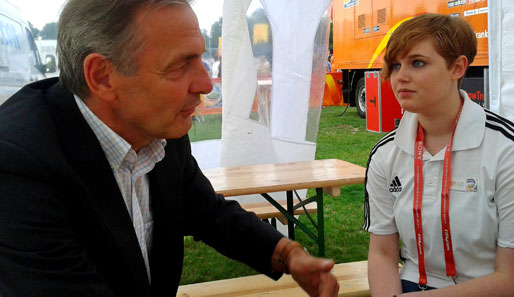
[(504, 200), (381, 203)]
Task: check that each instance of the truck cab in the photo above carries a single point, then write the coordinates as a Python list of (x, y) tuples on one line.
[(361, 30), (20, 62)]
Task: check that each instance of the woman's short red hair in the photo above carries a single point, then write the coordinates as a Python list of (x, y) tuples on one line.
[(450, 36)]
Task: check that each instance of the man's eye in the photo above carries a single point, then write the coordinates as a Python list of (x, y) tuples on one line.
[(418, 63), (177, 71), (180, 67)]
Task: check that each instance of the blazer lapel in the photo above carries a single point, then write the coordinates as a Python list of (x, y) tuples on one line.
[(168, 235), (88, 160)]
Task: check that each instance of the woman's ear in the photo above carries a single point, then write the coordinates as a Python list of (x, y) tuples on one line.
[(98, 73), (459, 67)]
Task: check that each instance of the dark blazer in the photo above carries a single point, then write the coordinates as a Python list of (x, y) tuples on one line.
[(64, 227)]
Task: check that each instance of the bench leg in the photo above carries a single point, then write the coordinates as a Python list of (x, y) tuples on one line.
[(290, 210), (272, 221), (288, 214), (321, 223)]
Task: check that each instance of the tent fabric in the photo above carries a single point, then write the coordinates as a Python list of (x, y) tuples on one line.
[(207, 153), (501, 60), (282, 125), (294, 26), (243, 141)]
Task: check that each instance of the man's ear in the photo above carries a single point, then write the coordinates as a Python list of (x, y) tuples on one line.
[(98, 73), (459, 67)]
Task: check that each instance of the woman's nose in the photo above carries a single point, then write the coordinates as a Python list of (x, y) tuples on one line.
[(402, 74)]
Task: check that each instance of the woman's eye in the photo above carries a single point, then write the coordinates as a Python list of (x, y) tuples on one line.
[(395, 66), (418, 63)]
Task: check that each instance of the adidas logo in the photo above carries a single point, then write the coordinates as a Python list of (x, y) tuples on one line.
[(396, 185)]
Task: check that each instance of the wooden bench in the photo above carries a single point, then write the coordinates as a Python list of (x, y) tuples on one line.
[(352, 278), (326, 176), (265, 211)]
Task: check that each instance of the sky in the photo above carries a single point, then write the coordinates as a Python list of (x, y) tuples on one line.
[(40, 12)]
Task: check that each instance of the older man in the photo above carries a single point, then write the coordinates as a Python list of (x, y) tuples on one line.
[(97, 183)]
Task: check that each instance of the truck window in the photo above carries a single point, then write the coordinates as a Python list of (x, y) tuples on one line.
[(33, 48)]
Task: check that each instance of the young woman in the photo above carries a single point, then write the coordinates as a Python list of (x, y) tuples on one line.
[(443, 182)]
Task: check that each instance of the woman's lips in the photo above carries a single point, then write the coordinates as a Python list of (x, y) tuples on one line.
[(405, 92)]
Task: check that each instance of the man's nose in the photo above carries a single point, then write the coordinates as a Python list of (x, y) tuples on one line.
[(202, 82)]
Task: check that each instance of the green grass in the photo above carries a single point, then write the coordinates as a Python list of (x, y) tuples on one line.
[(205, 127), (343, 138)]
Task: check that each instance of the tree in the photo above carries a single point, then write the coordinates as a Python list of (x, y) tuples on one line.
[(35, 31), (330, 38), (49, 31), (216, 33), (206, 38)]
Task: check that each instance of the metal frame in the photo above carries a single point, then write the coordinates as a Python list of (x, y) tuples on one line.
[(319, 238)]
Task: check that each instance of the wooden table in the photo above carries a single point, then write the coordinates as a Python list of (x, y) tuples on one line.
[(323, 175), (352, 278)]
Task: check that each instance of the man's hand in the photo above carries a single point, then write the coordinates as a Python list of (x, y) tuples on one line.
[(312, 274)]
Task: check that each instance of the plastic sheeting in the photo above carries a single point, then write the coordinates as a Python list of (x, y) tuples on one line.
[(294, 29), (501, 60), (244, 141), (273, 72), (296, 90)]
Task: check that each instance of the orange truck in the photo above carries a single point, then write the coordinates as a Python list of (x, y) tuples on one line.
[(361, 29)]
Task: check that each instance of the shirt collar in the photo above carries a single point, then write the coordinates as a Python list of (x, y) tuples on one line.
[(468, 134), (116, 148)]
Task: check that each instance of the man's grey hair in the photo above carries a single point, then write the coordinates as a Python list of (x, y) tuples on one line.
[(105, 27)]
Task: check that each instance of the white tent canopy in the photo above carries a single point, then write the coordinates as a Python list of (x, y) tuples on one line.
[(243, 141), (300, 48), (501, 60)]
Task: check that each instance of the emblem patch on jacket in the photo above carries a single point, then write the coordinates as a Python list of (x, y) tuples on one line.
[(464, 184), (396, 185)]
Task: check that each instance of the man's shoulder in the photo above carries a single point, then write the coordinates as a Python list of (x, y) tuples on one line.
[(26, 108), (28, 99), (26, 120), (30, 90)]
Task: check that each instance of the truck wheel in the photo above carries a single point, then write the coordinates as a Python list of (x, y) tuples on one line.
[(360, 98)]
